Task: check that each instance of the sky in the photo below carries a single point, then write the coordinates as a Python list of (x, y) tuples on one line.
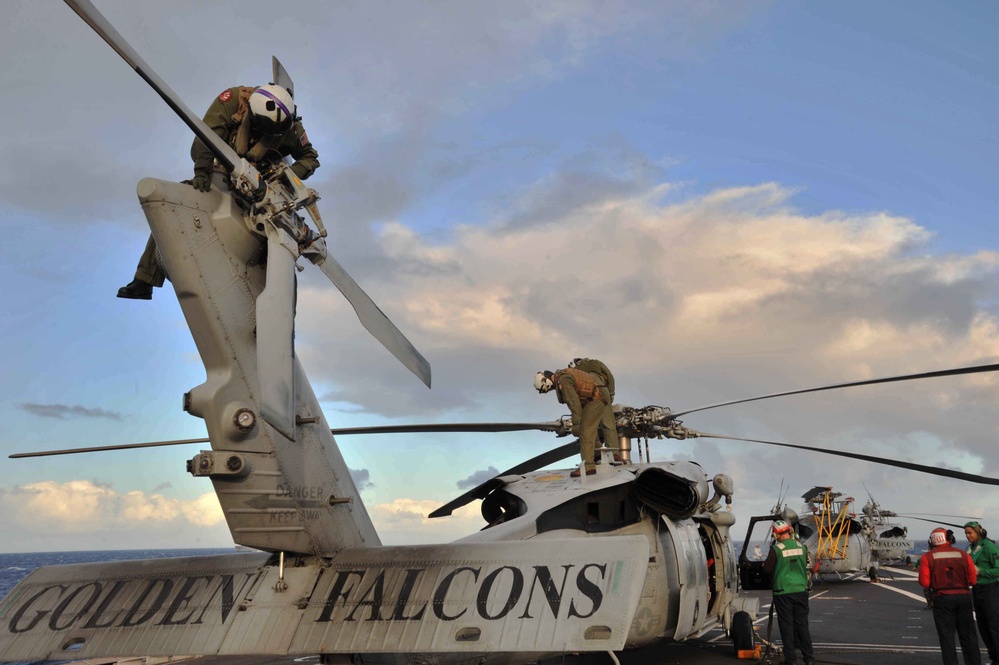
[(719, 200)]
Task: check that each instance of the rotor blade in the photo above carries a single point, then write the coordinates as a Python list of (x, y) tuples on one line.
[(912, 466), (86, 10), (960, 517), (376, 322), (450, 427), (923, 519), (533, 464), (99, 449), (281, 77), (905, 377), (553, 426), (275, 334)]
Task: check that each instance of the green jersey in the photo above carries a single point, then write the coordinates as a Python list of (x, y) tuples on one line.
[(985, 554), (791, 570)]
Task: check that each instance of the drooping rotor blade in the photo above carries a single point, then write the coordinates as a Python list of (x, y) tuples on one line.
[(553, 426), (281, 77), (101, 449), (533, 464), (276, 332), (890, 379), (376, 322), (912, 466), (225, 154)]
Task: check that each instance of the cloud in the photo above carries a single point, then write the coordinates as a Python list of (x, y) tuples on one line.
[(478, 478), (81, 506), (362, 479), (404, 520), (64, 411)]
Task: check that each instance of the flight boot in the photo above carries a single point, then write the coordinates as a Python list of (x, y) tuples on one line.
[(136, 290)]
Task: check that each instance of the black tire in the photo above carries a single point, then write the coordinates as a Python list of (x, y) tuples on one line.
[(872, 573), (743, 636)]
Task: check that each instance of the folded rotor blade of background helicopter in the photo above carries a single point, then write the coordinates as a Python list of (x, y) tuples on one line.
[(912, 466), (376, 322), (553, 426), (890, 379), (533, 464), (281, 77), (275, 334), (222, 151)]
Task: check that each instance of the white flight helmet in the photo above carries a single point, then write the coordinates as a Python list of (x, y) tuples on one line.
[(543, 381), (272, 109)]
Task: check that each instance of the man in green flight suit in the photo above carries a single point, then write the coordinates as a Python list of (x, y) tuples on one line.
[(587, 397), (260, 124), (607, 430), (985, 593), (787, 564)]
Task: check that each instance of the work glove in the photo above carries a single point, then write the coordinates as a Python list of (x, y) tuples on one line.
[(299, 170), (202, 181)]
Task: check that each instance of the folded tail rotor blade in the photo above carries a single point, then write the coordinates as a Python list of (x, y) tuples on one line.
[(275, 334), (376, 322)]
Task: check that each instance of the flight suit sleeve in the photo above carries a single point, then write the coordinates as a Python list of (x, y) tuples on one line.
[(305, 156), (218, 117), (567, 385)]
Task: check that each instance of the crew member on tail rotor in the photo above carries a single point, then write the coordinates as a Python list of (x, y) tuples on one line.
[(949, 572), (260, 124), (985, 593), (787, 565), (587, 397), (607, 430)]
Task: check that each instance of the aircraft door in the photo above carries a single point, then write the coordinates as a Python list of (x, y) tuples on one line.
[(692, 573)]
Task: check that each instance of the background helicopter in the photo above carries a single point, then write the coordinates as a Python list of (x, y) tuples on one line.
[(840, 541)]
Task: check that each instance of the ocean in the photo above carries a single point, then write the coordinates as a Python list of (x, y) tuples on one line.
[(15, 567)]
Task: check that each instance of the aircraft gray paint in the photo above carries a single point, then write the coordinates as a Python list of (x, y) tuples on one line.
[(631, 555)]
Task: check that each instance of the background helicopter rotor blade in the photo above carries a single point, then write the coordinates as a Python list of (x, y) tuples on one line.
[(222, 151), (912, 466), (890, 379), (375, 321), (533, 464), (275, 310), (925, 519)]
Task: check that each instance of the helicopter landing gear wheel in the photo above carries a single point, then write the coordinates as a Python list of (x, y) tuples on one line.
[(872, 573), (743, 637)]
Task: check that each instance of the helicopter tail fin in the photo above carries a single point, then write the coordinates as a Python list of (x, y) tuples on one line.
[(278, 492)]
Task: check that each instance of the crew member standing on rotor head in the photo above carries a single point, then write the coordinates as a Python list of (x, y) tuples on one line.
[(985, 593), (586, 396), (607, 430), (948, 572), (787, 565), (260, 124)]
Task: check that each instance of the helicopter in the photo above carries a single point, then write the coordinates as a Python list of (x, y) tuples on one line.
[(658, 561), (837, 541)]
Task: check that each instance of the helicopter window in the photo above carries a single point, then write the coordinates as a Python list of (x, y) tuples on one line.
[(604, 510), (804, 531)]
